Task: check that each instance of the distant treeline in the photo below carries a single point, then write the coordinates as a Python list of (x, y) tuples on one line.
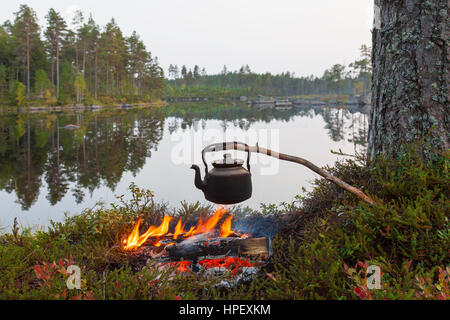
[(339, 79), (83, 64)]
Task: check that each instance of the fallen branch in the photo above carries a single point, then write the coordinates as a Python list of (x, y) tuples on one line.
[(342, 184)]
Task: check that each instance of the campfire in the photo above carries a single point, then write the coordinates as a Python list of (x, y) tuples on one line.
[(211, 245)]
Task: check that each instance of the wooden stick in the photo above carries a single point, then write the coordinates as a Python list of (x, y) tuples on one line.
[(342, 184)]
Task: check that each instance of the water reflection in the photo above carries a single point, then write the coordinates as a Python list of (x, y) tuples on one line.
[(243, 117), (40, 152), (104, 147)]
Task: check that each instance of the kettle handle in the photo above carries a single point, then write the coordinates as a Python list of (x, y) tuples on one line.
[(224, 146)]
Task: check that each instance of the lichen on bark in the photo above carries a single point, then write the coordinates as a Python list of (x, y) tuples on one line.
[(410, 98)]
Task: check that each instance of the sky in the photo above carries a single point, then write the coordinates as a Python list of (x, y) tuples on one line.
[(301, 36)]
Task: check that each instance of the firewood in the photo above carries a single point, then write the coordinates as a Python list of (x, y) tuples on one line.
[(193, 249)]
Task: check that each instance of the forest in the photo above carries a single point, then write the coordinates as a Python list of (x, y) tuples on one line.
[(91, 64), (85, 64), (337, 80)]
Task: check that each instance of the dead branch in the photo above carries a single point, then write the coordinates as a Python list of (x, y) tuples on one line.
[(341, 184)]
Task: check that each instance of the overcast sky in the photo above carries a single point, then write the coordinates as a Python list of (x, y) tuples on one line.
[(301, 36)]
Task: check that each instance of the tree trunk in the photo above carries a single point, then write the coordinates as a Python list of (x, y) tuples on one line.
[(28, 63), (76, 59), (410, 77), (53, 72), (96, 72), (84, 58), (107, 76), (117, 78), (57, 70)]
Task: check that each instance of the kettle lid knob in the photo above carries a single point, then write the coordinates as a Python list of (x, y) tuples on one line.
[(228, 162)]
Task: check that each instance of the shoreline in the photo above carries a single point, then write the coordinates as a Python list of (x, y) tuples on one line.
[(42, 109)]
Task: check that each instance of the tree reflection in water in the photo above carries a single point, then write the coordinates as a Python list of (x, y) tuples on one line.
[(38, 150), (106, 145)]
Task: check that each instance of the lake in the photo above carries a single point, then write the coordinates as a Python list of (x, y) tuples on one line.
[(53, 163)]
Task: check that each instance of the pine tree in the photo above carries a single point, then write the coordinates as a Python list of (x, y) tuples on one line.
[(196, 74), (55, 35), (138, 57), (26, 31), (93, 47), (109, 63), (114, 51), (184, 72)]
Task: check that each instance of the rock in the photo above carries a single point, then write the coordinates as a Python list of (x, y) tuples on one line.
[(71, 127)]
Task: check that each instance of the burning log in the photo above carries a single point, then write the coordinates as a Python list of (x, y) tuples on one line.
[(194, 248), (160, 236)]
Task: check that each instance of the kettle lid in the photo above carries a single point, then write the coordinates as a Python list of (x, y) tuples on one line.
[(227, 162)]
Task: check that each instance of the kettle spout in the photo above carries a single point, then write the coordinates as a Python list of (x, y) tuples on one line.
[(198, 179)]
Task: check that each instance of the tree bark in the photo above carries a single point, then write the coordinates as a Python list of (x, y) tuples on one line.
[(410, 78), (57, 70), (96, 72), (84, 58), (28, 62)]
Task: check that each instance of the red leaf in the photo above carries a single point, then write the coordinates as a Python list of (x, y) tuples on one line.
[(360, 293), (38, 271)]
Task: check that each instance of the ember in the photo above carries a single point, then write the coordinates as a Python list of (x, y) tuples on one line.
[(183, 266), (233, 264)]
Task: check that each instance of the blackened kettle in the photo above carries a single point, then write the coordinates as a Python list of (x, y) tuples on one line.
[(228, 182)]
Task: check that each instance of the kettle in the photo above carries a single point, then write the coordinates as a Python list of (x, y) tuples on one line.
[(228, 182)]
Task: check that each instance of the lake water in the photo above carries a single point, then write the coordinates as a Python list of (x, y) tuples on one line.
[(47, 169)]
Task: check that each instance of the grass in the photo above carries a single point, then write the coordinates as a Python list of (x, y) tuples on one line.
[(324, 250)]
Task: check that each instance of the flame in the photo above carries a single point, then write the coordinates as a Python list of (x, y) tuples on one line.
[(226, 231), (190, 232), (205, 227), (179, 229), (134, 240)]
